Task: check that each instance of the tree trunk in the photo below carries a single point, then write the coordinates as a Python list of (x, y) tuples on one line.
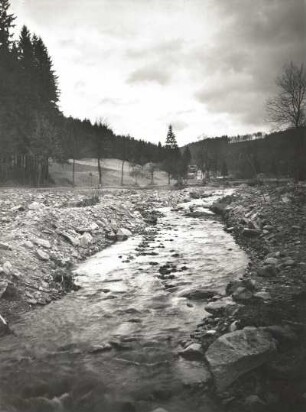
[(122, 172), (99, 171), (73, 172)]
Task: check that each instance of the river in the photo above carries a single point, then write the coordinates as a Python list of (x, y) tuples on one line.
[(113, 345)]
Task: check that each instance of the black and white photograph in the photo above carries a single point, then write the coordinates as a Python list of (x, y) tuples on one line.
[(152, 206)]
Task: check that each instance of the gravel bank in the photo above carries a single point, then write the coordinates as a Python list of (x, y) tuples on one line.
[(269, 222)]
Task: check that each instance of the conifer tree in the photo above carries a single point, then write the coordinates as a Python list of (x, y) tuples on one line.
[(8, 82), (6, 24), (46, 79), (172, 158), (171, 140)]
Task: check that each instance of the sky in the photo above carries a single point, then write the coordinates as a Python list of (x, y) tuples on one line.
[(205, 66)]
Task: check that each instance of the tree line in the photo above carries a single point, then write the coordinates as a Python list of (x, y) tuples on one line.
[(278, 154), (32, 128)]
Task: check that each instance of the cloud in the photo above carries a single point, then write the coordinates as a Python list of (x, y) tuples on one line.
[(207, 66), (150, 74), (179, 125), (166, 48), (255, 41)]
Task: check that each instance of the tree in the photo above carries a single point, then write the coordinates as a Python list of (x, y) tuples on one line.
[(287, 108), (186, 159), (9, 87), (136, 172), (46, 79), (171, 140), (151, 168), (172, 156), (6, 24)]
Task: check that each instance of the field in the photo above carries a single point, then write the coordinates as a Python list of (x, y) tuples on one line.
[(86, 174)]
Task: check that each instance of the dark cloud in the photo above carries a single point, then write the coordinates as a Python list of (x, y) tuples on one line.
[(255, 41), (150, 74)]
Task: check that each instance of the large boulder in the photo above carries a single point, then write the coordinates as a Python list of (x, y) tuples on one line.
[(123, 233), (224, 306), (192, 352), (236, 353), (197, 293), (74, 240), (85, 239)]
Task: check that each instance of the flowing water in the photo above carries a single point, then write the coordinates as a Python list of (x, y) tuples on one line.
[(113, 345)]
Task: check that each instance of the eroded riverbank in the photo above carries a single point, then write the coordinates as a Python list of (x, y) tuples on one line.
[(269, 222)]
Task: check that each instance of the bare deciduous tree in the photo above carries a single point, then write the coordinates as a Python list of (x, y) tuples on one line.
[(287, 108)]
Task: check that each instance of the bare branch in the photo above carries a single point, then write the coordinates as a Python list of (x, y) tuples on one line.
[(287, 109)]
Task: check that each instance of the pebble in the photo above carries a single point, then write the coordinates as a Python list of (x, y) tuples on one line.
[(43, 255), (7, 268), (5, 246)]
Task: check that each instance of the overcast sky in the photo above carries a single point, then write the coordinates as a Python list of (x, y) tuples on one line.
[(205, 66)]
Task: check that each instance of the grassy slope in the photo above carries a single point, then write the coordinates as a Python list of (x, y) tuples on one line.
[(111, 174)]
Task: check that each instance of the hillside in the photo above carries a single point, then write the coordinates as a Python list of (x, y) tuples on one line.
[(86, 174)]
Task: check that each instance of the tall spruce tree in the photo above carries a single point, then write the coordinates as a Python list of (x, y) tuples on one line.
[(172, 158), (6, 24), (46, 79), (8, 86), (171, 140)]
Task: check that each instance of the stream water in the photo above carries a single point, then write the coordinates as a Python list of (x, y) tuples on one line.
[(113, 345)]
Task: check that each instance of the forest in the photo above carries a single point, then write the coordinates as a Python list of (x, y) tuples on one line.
[(33, 130), (279, 154)]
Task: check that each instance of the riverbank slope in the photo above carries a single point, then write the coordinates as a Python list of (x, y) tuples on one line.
[(268, 324)]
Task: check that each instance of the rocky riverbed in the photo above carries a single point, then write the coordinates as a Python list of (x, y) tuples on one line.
[(252, 336)]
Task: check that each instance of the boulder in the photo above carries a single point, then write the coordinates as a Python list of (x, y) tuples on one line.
[(233, 285), (238, 352), (3, 286), (44, 243), (200, 212), (5, 246), (111, 235), (28, 244), (267, 271), (251, 232), (7, 268), (36, 206), (160, 410), (123, 234), (271, 261), (192, 352), (242, 294), (70, 238), (218, 208), (222, 306), (265, 296), (197, 293), (85, 239)]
